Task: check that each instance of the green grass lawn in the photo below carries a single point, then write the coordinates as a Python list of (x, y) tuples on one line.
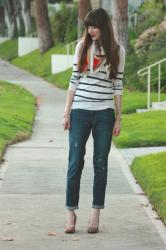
[(61, 79), (9, 50), (133, 100), (150, 172), (17, 111), (39, 64), (34, 62), (142, 130)]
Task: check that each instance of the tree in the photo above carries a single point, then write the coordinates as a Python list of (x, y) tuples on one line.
[(120, 21), (2, 19), (25, 11), (17, 17), (84, 8), (10, 14), (17, 11), (43, 25)]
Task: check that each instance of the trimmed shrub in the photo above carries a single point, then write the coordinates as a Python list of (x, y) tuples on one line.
[(64, 24), (146, 39), (150, 13)]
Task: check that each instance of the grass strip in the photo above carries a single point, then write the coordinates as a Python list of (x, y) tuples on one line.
[(17, 111), (142, 130), (150, 172)]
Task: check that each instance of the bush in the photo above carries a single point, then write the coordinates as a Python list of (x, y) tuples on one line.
[(131, 79), (146, 39), (157, 52), (147, 48), (150, 13), (150, 48), (64, 24)]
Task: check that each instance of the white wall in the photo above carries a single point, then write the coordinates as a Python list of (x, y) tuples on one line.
[(27, 45), (4, 39), (61, 62)]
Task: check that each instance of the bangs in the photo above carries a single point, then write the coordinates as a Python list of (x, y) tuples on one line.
[(91, 21)]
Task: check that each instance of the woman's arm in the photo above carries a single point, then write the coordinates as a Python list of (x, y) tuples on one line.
[(117, 125), (66, 116), (74, 81), (118, 106), (118, 92), (69, 101)]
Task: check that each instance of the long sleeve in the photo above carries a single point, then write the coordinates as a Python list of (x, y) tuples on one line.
[(118, 82), (76, 75)]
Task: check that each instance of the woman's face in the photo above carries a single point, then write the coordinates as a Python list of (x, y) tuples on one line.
[(94, 32)]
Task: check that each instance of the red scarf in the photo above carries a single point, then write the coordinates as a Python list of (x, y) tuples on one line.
[(96, 63)]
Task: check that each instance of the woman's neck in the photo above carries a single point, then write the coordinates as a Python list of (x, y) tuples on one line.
[(98, 48)]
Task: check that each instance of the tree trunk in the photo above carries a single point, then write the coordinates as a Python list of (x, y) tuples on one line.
[(17, 10), (18, 22), (164, 2), (120, 21), (84, 8), (25, 10), (2, 21), (12, 10), (43, 25), (9, 20)]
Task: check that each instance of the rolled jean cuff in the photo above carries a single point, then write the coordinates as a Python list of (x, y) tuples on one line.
[(71, 208), (98, 206)]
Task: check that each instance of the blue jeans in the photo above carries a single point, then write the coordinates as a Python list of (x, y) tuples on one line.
[(101, 123)]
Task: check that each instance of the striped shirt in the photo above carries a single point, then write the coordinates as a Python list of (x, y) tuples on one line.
[(93, 89)]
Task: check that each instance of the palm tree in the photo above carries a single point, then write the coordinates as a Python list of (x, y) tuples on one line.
[(43, 25), (84, 8), (120, 21)]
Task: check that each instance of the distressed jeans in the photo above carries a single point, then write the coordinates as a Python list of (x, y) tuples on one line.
[(82, 123)]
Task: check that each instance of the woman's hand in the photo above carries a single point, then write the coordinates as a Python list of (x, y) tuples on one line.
[(117, 126), (66, 121)]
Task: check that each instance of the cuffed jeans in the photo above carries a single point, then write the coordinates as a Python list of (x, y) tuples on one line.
[(82, 122)]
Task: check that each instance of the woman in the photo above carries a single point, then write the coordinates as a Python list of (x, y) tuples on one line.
[(94, 93)]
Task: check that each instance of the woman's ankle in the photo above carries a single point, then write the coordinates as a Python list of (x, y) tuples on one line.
[(95, 211), (70, 212)]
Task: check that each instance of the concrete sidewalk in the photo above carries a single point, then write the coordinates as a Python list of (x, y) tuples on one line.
[(32, 189)]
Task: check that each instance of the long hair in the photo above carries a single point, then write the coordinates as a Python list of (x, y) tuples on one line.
[(100, 19)]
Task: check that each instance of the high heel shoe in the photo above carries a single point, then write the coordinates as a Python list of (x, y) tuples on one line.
[(93, 230), (71, 230)]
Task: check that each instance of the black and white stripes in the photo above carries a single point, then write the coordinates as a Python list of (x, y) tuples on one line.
[(94, 90)]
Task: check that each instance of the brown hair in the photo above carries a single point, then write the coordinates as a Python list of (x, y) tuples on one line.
[(100, 19)]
